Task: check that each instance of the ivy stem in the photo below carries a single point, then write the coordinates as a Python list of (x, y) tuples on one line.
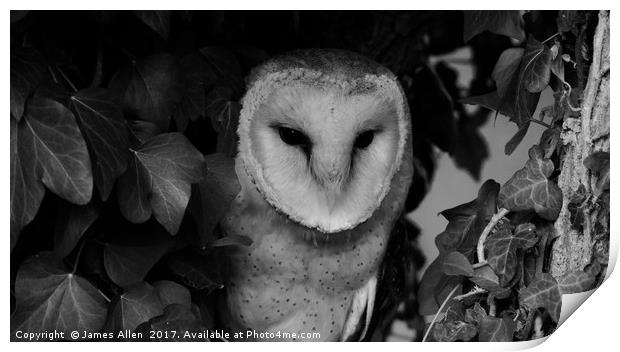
[(551, 37), (77, 257), (492, 307), (98, 70), (104, 296), (49, 68), (541, 123), (479, 265), (66, 79), (487, 230), (568, 98), (430, 327), (477, 290)]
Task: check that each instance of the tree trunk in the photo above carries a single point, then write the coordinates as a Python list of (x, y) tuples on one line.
[(580, 244)]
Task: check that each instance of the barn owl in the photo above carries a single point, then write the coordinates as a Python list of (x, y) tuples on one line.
[(325, 164)]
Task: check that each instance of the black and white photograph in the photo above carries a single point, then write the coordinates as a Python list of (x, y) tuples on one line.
[(307, 175)]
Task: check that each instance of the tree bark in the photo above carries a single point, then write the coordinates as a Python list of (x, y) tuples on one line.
[(579, 244)]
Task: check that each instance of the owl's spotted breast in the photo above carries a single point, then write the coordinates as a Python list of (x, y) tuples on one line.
[(297, 280)]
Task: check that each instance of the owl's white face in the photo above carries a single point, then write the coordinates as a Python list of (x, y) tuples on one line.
[(323, 151)]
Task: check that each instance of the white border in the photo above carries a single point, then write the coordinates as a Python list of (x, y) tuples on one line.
[(593, 326)]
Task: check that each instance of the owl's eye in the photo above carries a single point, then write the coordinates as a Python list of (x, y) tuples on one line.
[(364, 139), (293, 137)]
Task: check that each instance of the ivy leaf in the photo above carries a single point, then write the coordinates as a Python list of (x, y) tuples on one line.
[(71, 226), (447, 127), (199, 70), (49, 297), (508, 23), (594, 268), (517, 105), (102, 122), (529, 266), (178, 318), (492, 329), (543, 292), (576, 281), (557, 64), (222, 61), (454, 330), (467, 221), (536, 67), (134, 307), (232, 240), (457, 264), (432, 107), (149, 89), (435, 286), (470, 148), (549, 141), (27, 72), (424, 164), (486, 278), (433, 275), (215, 194), (191, 107), (568, 20), (512, 97), (140, 132), (172, 293), (133, 192), (47, 148), (465, 225), (521, 96), (524, 323), (26, 191), (49, 137), (460, 219), (157, 20), (197, 272), (158, 180), (599, 162), (516, 139), (181, 319), (224, 115), (475, 314), (506, 68), (502, 249), (128, 265), (530, 189), (197, 76)]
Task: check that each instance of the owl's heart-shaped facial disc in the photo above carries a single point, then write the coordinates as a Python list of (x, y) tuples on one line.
[(322, 150)]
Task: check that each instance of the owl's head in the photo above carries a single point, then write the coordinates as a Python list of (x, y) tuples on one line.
[(322, 133)]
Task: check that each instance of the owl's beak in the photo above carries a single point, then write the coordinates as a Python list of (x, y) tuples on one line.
[(334, 175), (331, 172)]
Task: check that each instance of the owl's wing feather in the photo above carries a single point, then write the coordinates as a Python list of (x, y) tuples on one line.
[(362, 307)]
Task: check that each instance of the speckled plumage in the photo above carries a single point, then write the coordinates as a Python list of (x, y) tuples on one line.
[(304, 271)]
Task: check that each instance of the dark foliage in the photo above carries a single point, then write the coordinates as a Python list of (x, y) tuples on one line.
[(491, 279)]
